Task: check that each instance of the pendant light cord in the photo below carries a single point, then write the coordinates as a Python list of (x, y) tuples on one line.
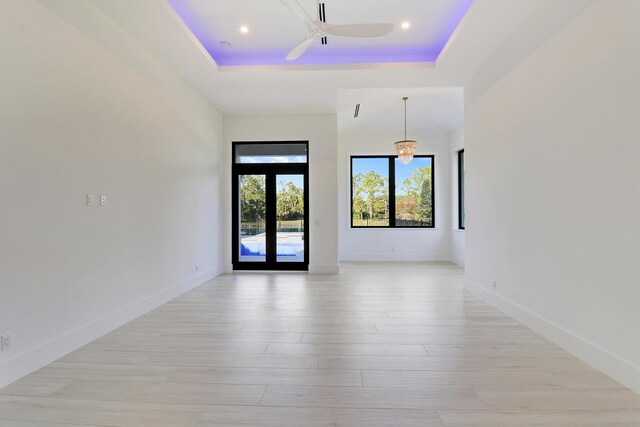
[(405, 117)]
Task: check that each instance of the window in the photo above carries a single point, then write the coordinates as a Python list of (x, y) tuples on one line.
[(291, 152), (461, 189), (386, 193)]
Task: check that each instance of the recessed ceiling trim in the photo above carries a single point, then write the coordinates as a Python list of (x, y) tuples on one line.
[(190, 34), (330, 67), (275, 33), (454, 35)]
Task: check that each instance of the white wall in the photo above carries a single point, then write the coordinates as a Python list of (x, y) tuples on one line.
[(456, 139), (79, 116), (321, 132), (395, 244), (553, 189)]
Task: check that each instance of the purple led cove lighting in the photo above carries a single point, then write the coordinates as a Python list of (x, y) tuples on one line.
[(450, 26), (197, 27), (227, 57), (345, 57)]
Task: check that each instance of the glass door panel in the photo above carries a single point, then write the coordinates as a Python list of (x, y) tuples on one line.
[(253, 210), (290, 218)]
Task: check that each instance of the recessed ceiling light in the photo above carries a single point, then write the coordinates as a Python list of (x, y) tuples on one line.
[(405, 25), (244, 29), (225, 43)]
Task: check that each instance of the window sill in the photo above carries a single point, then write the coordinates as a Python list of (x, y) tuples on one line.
[(398, 228)]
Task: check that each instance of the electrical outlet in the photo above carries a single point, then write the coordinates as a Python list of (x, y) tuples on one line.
[(103, 201), (89, 199), (6, 342), (493, 284)]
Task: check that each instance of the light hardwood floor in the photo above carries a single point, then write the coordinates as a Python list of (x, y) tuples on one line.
[(379, 345)]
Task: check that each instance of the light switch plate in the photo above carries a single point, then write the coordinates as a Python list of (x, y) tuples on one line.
[(6, 342)]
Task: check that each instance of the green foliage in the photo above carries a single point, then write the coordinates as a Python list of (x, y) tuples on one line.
[(290, 201), (405, 207), (416, 203), (252, 197), (370, 195), (425, 206)]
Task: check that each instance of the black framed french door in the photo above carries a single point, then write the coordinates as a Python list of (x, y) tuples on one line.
[(270, 206)]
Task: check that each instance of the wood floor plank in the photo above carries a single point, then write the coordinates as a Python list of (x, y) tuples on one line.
[(13, 423), (325, 312), (571, 399), (134, 391), (369, 397), (347, 349), (472, 379), (586, 380), (520, 418), (387, 339), (308, 328), (235, 360), (432, 321), (469, 329), (294, 320), (265, 376), (237, 336), (87, 355), (89, 412), (405, 363), (105, 371), (488, 350), (196, 346), (317, 417), (157, 327), (523, 341), (34, 385)]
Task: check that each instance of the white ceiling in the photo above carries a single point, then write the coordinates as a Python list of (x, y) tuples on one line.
[(493, 37), (429, 110), (274, 29)]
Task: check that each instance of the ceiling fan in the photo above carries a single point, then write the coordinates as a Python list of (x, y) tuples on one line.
[(319, 29)]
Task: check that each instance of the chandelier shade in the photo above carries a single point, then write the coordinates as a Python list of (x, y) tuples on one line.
[(405, 148)]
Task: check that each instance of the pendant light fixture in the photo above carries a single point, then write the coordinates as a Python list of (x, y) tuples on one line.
[(407, 147)]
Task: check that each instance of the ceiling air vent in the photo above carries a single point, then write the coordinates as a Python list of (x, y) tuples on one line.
[(323, 18)]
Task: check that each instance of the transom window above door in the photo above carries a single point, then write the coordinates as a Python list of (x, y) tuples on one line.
[(291, 152)]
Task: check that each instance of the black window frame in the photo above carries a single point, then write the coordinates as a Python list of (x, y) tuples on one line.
[(461, 189), (392, 192)]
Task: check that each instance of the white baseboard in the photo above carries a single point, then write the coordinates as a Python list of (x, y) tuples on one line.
[(459, 261), (31, 360), (324, 269), (601, 359), (395, 257)]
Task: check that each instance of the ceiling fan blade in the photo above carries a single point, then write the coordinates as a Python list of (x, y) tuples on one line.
[(300, 49), (357, 30), (300, 11)]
